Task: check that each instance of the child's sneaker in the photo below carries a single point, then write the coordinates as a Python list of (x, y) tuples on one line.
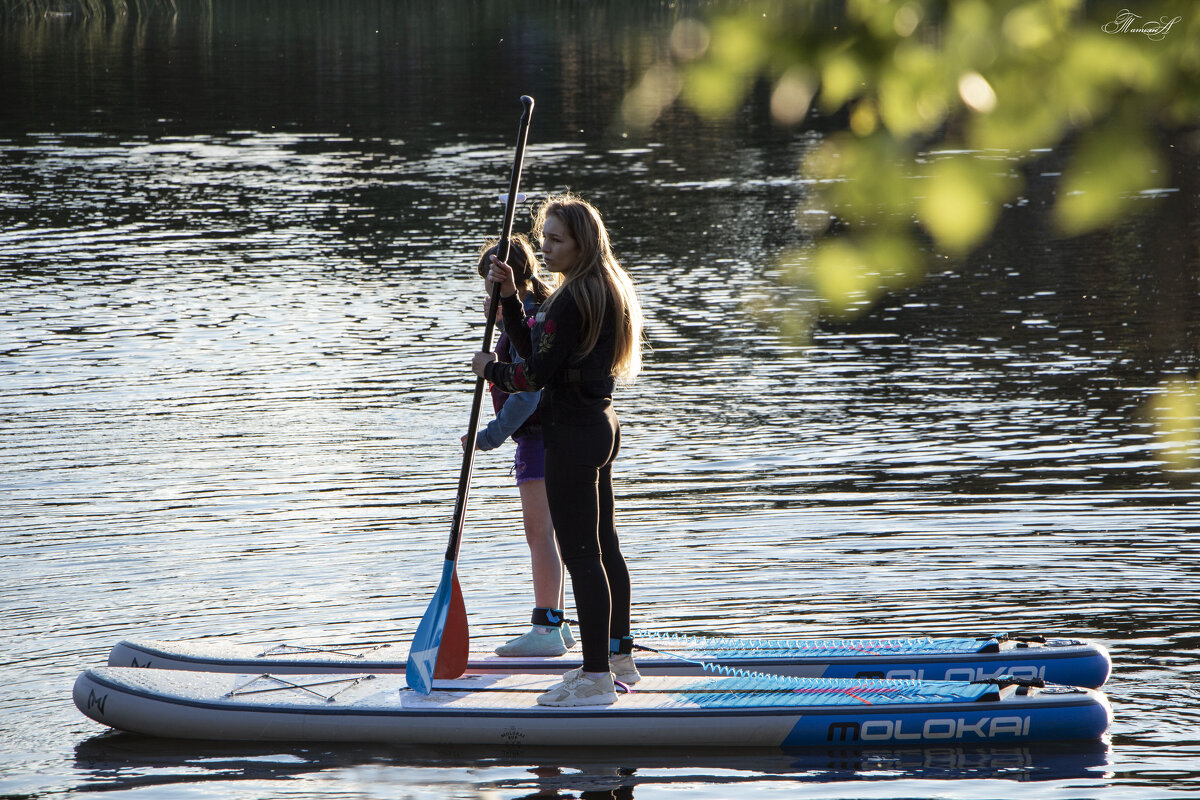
[(623, 668), (579, 688), (539, 641)]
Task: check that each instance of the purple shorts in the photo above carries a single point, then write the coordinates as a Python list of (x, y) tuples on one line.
[(529, 464)]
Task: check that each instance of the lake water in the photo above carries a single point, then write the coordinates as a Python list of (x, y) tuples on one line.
[(237, 305)]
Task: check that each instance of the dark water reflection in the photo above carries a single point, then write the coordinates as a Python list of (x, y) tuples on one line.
[(121, 762), (236, 307)]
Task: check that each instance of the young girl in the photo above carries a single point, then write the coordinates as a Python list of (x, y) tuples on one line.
[(587, 333), (516, 416)]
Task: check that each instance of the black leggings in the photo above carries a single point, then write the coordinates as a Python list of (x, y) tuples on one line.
[(579, 462)]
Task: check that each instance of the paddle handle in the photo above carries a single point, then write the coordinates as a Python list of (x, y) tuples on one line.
[(464, 477)]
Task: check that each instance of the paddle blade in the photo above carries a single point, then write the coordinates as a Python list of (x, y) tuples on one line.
[(422, 654), (456, 638)]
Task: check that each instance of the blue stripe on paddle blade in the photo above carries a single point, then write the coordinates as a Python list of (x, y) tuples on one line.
[(422, 655)]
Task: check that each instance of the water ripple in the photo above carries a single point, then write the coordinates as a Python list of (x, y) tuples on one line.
[(235, 375)]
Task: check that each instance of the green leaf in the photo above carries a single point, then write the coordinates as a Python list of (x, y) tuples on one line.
[(842, 78), (1176, 414), (1110, 166), (866, 178), (961, 201), (849, 275), (913, 91), (712, 90), (737, 44)]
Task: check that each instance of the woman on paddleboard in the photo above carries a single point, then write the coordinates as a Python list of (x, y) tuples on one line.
[(517, 417), (587, 334)]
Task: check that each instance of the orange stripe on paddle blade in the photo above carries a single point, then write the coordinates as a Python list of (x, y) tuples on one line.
[(456, 639)]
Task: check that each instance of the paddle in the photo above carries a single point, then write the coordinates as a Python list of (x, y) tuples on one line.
[(439, 647)]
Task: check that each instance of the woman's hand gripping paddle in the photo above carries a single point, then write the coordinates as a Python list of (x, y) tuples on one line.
[(439, 647)]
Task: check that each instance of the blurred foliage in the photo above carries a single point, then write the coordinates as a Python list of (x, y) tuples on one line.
[(944, 103), (938, 109), (1176, 410)]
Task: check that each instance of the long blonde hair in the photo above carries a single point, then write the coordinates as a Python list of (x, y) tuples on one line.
[(596, 279)]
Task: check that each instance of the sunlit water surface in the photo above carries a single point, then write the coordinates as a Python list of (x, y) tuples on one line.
[(234, 372)]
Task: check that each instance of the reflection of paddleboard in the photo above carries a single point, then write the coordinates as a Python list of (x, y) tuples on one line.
[(1066, 661), (138, 762), (770, 711)]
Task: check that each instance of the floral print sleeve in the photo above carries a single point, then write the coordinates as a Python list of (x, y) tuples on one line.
[(559, 328)]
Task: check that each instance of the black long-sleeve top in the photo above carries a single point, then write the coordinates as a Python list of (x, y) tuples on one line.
[(572, 389)]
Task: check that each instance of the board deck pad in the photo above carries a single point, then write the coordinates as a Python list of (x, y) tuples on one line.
[(1059, 660), (717, 692)]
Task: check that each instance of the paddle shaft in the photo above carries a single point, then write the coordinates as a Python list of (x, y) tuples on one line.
[(464, 476)]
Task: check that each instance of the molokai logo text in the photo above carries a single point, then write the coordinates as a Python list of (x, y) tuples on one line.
[(964, 673), (933, 729)]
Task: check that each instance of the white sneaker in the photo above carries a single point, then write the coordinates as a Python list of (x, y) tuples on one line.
[(623, 668), (538, 641), (579, 688), (568, 676)]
